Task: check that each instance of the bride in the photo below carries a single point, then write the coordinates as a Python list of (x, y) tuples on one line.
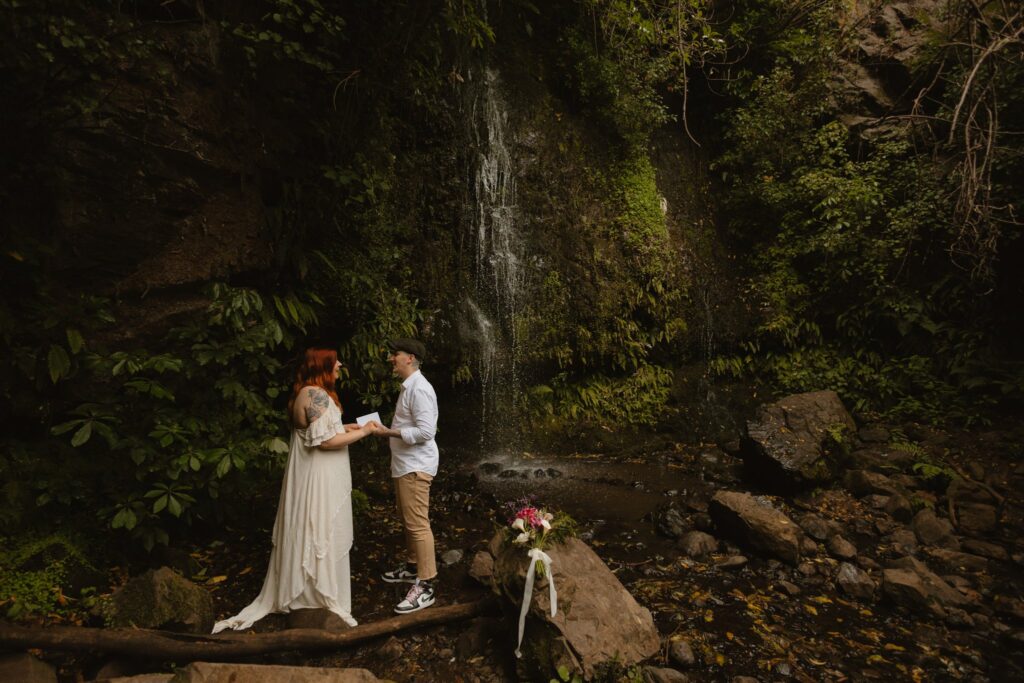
[(309, 564)]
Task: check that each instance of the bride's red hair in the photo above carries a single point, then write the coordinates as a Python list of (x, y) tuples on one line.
[(316, 369)]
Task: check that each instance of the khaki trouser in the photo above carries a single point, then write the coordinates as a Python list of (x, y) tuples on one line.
[(412, 493)]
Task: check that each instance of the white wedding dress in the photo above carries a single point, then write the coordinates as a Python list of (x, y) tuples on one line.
[(309, 564)]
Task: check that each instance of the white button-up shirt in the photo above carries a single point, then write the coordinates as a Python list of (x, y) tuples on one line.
[(416, 418)]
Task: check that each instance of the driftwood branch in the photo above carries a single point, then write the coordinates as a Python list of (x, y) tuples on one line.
[(223, 647)]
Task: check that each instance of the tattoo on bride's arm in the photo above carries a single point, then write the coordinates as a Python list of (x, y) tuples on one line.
[(318, 402)]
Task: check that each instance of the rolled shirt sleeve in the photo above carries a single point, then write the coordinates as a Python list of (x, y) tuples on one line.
[(424, 416), (416, 414)]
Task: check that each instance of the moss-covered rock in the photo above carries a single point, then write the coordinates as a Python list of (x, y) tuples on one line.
[(161, 599)]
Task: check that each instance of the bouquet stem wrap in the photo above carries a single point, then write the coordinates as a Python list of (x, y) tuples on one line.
[(536, 555)]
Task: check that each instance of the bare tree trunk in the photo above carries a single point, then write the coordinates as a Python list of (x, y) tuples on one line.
[(223, 647)]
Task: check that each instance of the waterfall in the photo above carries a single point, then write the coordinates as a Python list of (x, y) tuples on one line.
[(500, 276)]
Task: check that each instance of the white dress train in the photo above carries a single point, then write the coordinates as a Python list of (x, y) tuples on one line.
[(309, 564)]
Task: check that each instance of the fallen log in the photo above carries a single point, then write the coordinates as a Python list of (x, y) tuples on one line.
[(182, 647)]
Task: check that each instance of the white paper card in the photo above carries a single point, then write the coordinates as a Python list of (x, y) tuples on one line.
[(366, 418)]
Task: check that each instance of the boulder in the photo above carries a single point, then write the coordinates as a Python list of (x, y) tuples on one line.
[(793, 438), (910, 583), (697, 544), (818, 528), (671, 522), (482, 567), (680, 652), (841, 548), (754, 522), (161, 599), (931, 530), (209, 672), (855, 582), (598, 621)]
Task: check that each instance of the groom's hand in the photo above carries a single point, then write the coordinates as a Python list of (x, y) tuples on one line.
[(353, 427)]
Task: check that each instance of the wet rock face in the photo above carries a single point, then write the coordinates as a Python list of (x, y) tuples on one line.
[(787, 440), (754, 522)]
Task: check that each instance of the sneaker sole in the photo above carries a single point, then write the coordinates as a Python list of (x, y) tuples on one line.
[(386, 579), (415, 609)]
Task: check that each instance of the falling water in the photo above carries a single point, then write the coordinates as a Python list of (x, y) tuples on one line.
[(500, 276)]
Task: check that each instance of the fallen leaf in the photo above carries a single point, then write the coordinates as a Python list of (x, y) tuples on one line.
[(216, 579)]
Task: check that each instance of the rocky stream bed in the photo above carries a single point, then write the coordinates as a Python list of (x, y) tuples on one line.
[(901, 562)]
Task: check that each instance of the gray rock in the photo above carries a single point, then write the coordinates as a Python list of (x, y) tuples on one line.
[(931, 530), (25, 668), (855, 582), (209, 672), (790, 589), (161, 599), (789, 437), (807, 568), (697, 544), (597, 619), (841, 548), (451, 557), (680, 653), (672, 523), (139, 678), (482, 567), (808, 547), (655, 674), (754, 522)]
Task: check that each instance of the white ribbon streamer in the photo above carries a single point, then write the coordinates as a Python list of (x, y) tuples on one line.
[(536, 555)]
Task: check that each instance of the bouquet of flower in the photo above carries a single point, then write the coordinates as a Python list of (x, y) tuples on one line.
[(534, 527)]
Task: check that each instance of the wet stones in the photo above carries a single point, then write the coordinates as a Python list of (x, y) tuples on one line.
[(789, 439), (680, 652), (754, 522), (855, 582), (930, 530), (841, 548), (697, 544), (671, 522)]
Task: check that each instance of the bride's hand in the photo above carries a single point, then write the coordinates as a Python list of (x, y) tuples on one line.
[(352, 427)]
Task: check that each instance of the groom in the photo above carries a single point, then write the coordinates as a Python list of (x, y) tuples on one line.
[(414, 458)]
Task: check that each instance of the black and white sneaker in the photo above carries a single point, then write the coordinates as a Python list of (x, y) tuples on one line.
[(404, 574), (419, 596)]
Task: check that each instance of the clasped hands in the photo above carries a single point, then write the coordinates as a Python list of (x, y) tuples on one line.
[(370, 427)]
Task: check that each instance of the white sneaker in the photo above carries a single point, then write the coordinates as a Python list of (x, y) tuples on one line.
[(419, 596)]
